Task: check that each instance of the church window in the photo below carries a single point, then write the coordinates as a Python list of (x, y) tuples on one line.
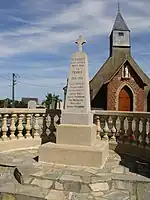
[(121, 34)]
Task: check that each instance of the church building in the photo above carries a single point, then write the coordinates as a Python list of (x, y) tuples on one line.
[(120, 84)]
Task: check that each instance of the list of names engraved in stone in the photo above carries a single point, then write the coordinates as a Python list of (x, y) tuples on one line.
[(76, 87)]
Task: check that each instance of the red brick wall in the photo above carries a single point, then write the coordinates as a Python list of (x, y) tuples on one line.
[(134, 82)]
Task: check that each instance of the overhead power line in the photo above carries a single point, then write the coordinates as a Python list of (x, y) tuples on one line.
[(6, 86), (3, 77), (32, 84), (23, 82)]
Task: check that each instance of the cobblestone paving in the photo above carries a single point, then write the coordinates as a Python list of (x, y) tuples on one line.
[(122, 178)]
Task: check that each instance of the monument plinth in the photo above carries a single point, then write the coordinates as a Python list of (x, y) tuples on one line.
[(76, 142)]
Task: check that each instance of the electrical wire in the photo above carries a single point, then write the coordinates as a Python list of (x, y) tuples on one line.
[(5, 78), (32, 84)]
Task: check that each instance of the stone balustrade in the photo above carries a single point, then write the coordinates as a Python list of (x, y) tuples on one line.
[(21, 128), (130, 130), (17, 123), (125, 127)]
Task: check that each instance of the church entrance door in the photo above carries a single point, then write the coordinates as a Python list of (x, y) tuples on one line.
[(125, 99)]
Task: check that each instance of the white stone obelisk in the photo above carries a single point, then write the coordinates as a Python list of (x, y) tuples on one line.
[(77, 107)]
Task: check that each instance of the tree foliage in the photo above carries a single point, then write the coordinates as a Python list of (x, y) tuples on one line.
[(7, 103), (51, 100)]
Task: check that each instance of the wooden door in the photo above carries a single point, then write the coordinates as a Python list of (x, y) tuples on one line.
[(124, 101)]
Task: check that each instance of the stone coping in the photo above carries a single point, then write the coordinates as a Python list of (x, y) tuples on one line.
[(18, 144), (121, 113), (22, 111)]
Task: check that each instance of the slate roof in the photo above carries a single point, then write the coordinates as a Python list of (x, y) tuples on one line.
[(120, 24), (110, 67)]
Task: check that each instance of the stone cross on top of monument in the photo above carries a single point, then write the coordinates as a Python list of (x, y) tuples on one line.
[(80, 41)]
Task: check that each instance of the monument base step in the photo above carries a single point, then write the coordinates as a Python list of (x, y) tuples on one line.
[(71, 134), (92, 156), (77, 118)]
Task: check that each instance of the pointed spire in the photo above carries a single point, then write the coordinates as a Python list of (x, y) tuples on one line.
[(120, 24)]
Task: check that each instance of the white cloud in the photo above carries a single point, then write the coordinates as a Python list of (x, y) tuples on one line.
[(49, 26), (87, 17)]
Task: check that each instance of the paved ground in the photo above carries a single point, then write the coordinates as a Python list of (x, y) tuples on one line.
[(122, 178)]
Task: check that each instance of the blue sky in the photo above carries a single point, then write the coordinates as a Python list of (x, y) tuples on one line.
[(37, 40)]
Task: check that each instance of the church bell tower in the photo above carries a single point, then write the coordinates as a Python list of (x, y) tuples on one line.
[(120, 36)]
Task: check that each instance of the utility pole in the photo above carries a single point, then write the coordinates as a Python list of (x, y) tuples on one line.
[(13, 89)]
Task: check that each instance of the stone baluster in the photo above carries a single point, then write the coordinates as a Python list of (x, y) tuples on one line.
[(1, 127), (130, 131), (61, 105), (41, 123), (44, 128), (59, 119), (148, 134), (52, 126), (143, 134), (122, 130), (20, 126), (12, 127), (98, 127), (28, 125), (58, 105), (4, 127), (106, 129), (113, 130), (137, 131), (36, 125)]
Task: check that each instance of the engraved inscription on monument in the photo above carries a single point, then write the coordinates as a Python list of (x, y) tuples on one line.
[(78, 85), (76, 93)]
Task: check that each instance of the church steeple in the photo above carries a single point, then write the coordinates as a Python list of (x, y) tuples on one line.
[(120, 24), (120, 35)]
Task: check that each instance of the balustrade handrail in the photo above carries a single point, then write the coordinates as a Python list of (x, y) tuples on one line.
[(122, 113), (22, 110)]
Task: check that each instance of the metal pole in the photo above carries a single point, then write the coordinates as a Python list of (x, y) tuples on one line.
[(13, 90)]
